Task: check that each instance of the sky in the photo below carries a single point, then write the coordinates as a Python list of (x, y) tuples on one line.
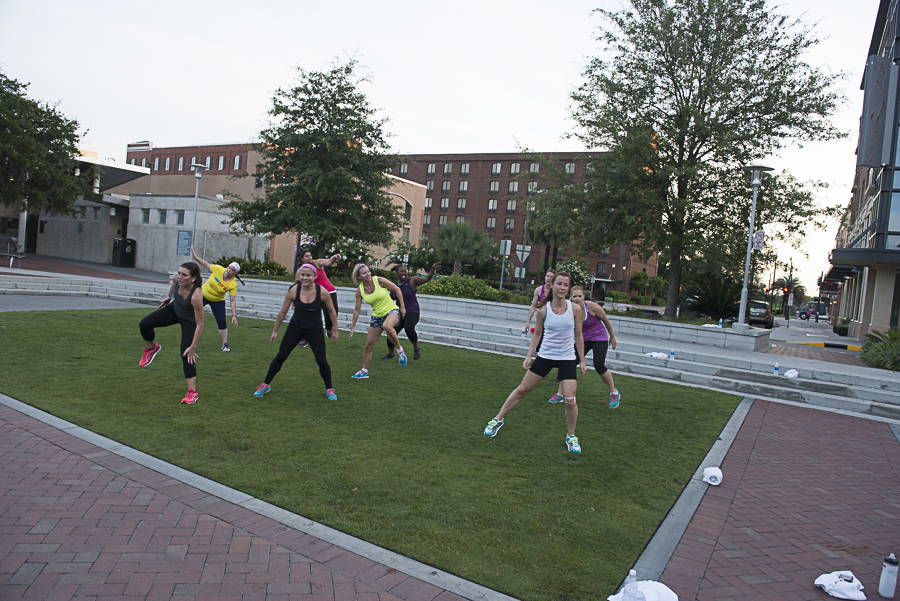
[(451, 77)]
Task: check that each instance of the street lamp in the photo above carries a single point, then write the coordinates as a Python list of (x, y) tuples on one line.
[(198, 173), (756, 183)]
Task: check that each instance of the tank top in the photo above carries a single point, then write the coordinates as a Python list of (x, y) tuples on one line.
[(541, 297), (323, 281), (593, 329), (307, 315), (558, 342), (183, 308), (380, 301), (410, 301)]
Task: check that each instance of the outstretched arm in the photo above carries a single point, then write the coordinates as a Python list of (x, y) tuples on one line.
[(319, 263), (416, 282), (199, 260)]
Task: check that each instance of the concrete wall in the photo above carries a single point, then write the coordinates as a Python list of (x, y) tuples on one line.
[(86, 237)]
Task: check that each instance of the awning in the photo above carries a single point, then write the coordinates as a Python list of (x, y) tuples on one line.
[(112, 174)]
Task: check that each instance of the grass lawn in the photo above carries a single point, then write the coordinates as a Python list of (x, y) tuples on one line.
[(400, 459)]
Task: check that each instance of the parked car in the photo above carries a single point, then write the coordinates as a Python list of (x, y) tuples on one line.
[(760, 313)]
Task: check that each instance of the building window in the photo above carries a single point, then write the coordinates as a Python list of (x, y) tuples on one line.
[(430, 170), (463, 186), (168, 164), (425, 237), (510, 224), (495, 169), (445, 202), (133, 161), (532, 187), (603, 271), (156, 164), (426, 220), (570, 168), (460, 204), (604, 252), (464, 169), (513, 187), (511, 205), (221, 163), (492, 205), (407, 213), (193, 162), (145, 215), (179, 217), (534, 167), (208, 162), (406, 232), (96, 213), (143, 162), (495, 187), (427, 202), (237, 162), (429, 185), (442, 220), (460, 219), (403, 169), (491, 224), (445, 185), (180, 163), (448, 168), (162, 217), (514, 169)]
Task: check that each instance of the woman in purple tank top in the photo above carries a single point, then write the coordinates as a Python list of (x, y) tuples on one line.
[(598, 337), (408, 322)]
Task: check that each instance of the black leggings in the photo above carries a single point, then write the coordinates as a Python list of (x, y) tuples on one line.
[(291, 339), (599, 347), (328, 324), (408, 325), (218, 311), (165, 317)]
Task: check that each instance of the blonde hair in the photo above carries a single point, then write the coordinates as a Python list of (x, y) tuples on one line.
[(355, 275), (574, 288)]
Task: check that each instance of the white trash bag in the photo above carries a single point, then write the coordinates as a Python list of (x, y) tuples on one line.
[(792, 373), (656, 355), (712, 475), (651, 591)]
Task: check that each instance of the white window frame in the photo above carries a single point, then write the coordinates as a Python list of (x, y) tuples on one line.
[(426, 219), (492, 204), (429, 185), (427, 202), (569, 168), (208, 163), (511, 204), (236, 162), (156, 164), (491, 223), (460, 219), (180, 163), (403, 168), (430, 169), (442, 220), (513, 187), (168, 164), (534, 168), (464, 169), (445, 203), (495, 168), (514, 168), (221, 163), (445, 186), (495, 187), (460, 203), (510, 224), (463, 186), (448, 168)]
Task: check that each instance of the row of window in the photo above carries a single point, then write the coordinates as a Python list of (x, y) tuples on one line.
[(162, 216), (496, 168), (512, 188), (166, 163), (490, 224), (461, 204)]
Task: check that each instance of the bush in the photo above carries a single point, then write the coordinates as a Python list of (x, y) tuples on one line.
[(882, 350), (254, 266), (579, 270), (460, 287), (511, 297), (659, 302), (618, 297), (641, 300)]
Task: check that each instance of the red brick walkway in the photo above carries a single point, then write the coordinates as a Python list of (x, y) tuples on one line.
[(818, 354), (804, 493), (78, 521), (72, 269)]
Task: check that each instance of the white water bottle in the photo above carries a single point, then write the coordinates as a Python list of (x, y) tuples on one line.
[(775, 371), (720, 322), (672, 354), (887, 585), (630, 590)]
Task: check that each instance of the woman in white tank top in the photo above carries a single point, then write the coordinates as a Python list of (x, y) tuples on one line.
[(559, 322)]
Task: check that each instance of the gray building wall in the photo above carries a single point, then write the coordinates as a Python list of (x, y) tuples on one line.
[(88, 236)]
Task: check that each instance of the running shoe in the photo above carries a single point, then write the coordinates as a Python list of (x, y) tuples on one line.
[(330, 394), (388, 356), (262, 390), (191, 397), (492, 427), (226, 348), (362, 374), (614, 399), (556, 398), (149, 354), (417, 353), (401, 357), (303, 343), (572, 444), (328, 333)]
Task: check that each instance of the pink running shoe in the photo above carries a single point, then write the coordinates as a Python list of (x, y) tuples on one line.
[(191, 397), (149, 354)]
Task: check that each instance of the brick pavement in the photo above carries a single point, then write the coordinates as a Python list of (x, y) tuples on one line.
[(79, 521), (57, 267), (818, 354), (805, 492)]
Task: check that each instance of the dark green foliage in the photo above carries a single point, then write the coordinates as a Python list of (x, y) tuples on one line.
[(254, 266), (420, 257), (658, 286), (460, 287), (658, 302), (639, 281), (641, 300), (882, 349), (458, 243), (716, 297)]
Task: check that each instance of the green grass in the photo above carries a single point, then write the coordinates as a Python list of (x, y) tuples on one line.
[(400, 460)]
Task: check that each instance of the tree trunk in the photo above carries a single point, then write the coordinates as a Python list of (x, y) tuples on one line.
[(546, 251), (674, 281), (555, 251), (457, 266)]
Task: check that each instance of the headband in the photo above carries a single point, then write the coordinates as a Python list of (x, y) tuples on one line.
[(237, 268), (311, 266)]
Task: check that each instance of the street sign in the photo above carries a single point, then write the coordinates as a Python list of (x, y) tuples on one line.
[(522, 252), (791, 299), (405, 259), (593, 279), (505, 247), (759, 240), (520, 272), (183, 245)]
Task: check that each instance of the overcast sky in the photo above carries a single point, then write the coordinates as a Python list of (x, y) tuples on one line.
[(452, 77)]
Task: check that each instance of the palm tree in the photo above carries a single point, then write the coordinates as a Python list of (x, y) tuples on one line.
[(459, 241)]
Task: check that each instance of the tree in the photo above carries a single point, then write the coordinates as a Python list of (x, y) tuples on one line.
[(658, 285), (39, 150), (693, 91), (419, 257), (324, 166), (639, 281), (459, 242), (550, 223), (715, 296)]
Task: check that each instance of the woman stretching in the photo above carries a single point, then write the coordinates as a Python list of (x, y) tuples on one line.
[(559, 322), (323, 281), (219, 282), (598, 337), (186, 309), (309, 299), (408, 323), (539, 295), (385, 313)]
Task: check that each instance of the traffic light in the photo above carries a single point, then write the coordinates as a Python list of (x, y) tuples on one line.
[(767, 288), (784, 290)]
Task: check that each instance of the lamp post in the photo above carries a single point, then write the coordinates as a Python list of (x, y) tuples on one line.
[(198, 173), (756, 183)]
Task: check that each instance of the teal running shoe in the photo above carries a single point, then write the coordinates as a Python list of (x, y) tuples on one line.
[(572, 444), (492, 427), (362, 374), (262, 390), (402, 357), (330, 394), (614, 399), (556, 398)]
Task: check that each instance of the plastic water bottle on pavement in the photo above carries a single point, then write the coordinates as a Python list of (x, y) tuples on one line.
[(672, 354), (887, 585), (630, 590), (720, 322), (775, 371)]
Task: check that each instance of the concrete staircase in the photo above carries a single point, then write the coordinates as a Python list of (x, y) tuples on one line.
[(863, 391)]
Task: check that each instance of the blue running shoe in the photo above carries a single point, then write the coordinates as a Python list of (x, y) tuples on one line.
[(362, 374), (492, 427), (572, 444), (402, 357), (556, 398), (330, 394), (614, 399), (262, 390)]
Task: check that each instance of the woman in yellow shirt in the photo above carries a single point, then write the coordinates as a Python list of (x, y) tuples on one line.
[(385, 313), (221, 281)]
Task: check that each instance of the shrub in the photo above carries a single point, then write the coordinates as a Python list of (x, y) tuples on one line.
[(511, 297), (618, 297), (579, 270), (882, 350), (254, 266), (640, 300), (659, 302), (460, 287)]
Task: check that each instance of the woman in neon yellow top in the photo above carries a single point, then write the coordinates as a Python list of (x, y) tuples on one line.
[(221, 281), (385, 313)]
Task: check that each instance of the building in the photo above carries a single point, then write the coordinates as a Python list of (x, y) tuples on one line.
[(866, 256), (490, 191)]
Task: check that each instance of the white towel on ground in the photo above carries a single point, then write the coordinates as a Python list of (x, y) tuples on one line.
[(836, 587)]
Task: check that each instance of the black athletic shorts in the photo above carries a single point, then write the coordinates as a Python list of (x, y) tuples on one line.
[(567, 369)]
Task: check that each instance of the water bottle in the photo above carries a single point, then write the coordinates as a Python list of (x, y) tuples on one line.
[(888, 582), (720, 322), (630, 590), (672, 354), (775, 371), (523, 333)]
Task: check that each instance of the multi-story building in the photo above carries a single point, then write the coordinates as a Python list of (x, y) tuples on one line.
[(491, 192), (866, 256)]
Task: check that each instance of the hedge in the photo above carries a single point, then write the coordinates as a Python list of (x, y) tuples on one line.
[(641, 300), (460, 287), (659, 301)]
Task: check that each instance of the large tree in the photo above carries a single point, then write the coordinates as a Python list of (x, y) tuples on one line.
[(459, 242), (692, 91), (324, 165), (38, 152)]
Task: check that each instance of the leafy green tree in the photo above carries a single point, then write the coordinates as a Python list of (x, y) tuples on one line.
[(38, 152), (658, 285), (459, 242), (639, 281), (420, 257), (691, 91), (715, 296), (580, 272), (324, 164)]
